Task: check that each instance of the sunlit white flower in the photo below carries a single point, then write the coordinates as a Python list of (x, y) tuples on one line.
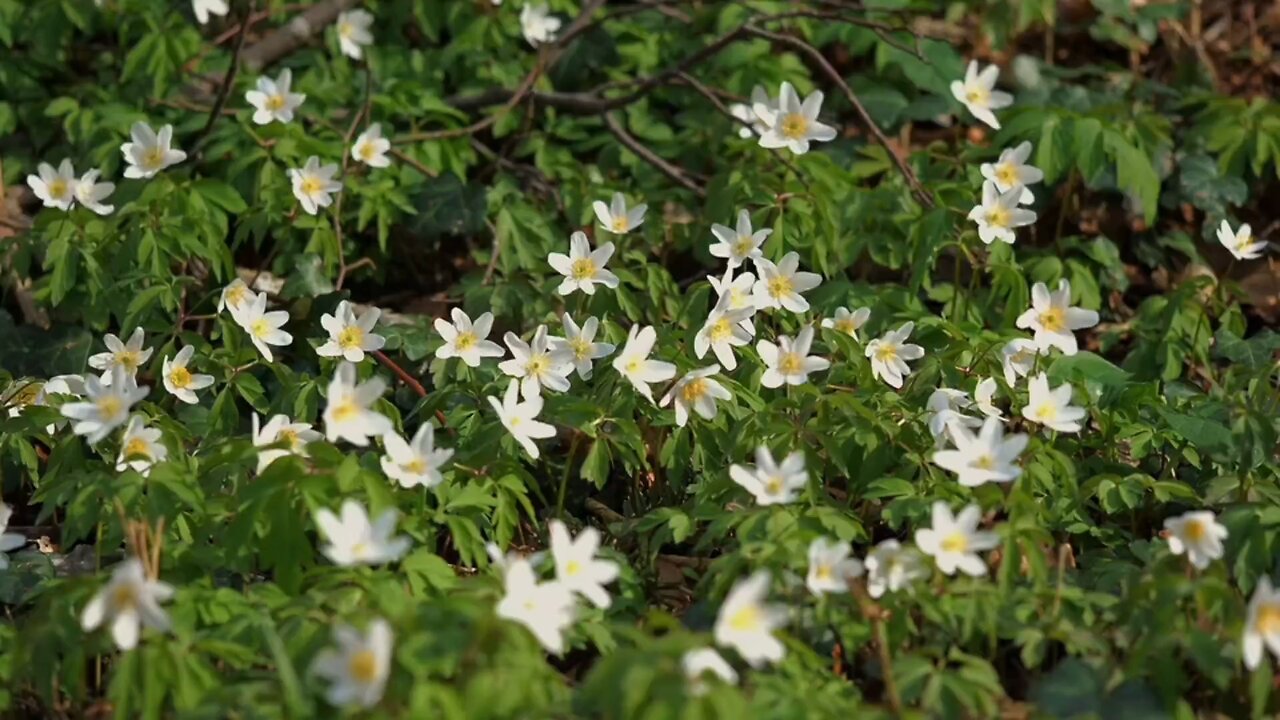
[(149, 152), (234, 295), (582, 268), (788, 362), (466, 340), (350, 337), (830, 567), (140, 447), (204, 8), (279, 430), (1240, 243), (371, 148), (955, 541), (985, 457), (349, 413), (358, 667), (538, 364), (577, 567), (697, 663), (416, 462), (353, 32), (1198, 534), (313, 184), (90, 193), (546, 609), (945, 406), (698, 392), (55, 188), (105, 406), (848, 322), (741, 244), (520, 418), (8, 541), (354, 540), (1052, 408), (129, 356), (578, 344), (751, 124), (537, 24), (781, 285), (1053, 318), (998, 214), (890, 352), (892, 567), (746, 623), (977, 93), (1262, 624), (983, 395), (793, 124), (1011, 170), (722, 332), (262, 327), (1018, 357), (272, 100), (616, 218), (130, 601), (180, 381), (633, 362), (741, 293), (769, 482)]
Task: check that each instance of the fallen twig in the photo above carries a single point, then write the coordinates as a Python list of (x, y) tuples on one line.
[(671, 171)]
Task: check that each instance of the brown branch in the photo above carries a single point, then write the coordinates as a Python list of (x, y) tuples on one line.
[(671, 171), (295, 33), (413, 384), (361, 114), (880, 638), (224, 90)]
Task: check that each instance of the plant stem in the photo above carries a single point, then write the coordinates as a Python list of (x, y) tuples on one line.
[(568, 468)]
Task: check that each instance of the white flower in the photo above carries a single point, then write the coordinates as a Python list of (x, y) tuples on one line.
[(106, 405), (55, 188), (892, 567), (537, 24), (279, 429), (357, 668), (272, 99), (353, 32), (700, 661), (769, 482), (793, 124), (353, 540), (1262, 624), (1053, 318), (465, 340), (263, 327), (616, 218), (130, 600), (633, 362), (788, 361), (538, 364), (986, 457), (149, 153), (1052, 408), (741, 244), (751, 124), (180, 381), (204, 8), (830, 567), (90, 193), (545, 609), (955, 541), (723, 331), (1011, 170), (348, 415), (140, 447), (698, 392), (780, 285), (313, 184), (127, 356), (1241, 243), (998, 214), (1198, 534), (890, 352), (983, 394), (519, 417), (944, 407), (69, 385), (582, 268), (416, 462), (350, 337), (746, 623), (577, 567), (8, 541), (371, 148), (577, 344), (233, 296), (1018, 356), (847, 322), (977, 93), (740, 293)]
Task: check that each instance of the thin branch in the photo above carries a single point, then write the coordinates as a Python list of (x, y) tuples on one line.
[(413, 384), (229, 79), (361, 115), (664, 167)]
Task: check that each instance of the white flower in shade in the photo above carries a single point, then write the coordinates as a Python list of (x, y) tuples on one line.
[(1198, 534), (892, 567), (633, 362), (751, 124), (353, 32), (272, 99), (127, 355), (354, 540), (781, 285), (8, 541), (577, 567), (788, 362), (55, 188), (91, 193), (350, 337), (699, 662), (71, 386), (846, 322), (723, 331), (105, 406), (537, 24), (466, 340), (830, 567), (1052, 408), (890, 352), (204, 8), (416, 462), (741, 293), (279, 430), (371, 148), (262, 327), (740, 245), (769, 482), (944, 407), (349, 413), (578, 344), (616, 218), (1053, 318), (140, 448), (1018, 357), (794, 124), (582, 268), (1011, 170), (520, 418), (234, 296), (698, 392), (985, 457), (149, 152), (998, 214), (977, 93), (983, 395), (546, 609), (180, 381), (129, 601), (357, 668), (746, 623), (1262, 624), (313, 184), (955, 541), (538, 364), (1241, 243)]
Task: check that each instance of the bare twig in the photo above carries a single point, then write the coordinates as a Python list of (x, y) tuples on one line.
[(361, 115), (880, 638), (224, 90), (671, 171), (412, 382)]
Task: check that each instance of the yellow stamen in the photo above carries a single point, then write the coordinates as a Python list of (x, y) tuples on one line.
[(179, 377), (363, 666), (582, 269), (954, 543), (794, 126)]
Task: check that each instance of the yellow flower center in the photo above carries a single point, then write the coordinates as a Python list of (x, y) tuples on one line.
[(465, 341), (976, 96), (416, 466), (350, 338), (537, 365), (846, 326), (1268, 620), (153, 158), (720, 331), (310, 185), (110, 407), (275, 103), (1053, 320), (737, 299), (572, 568), (236, 293), (346, 410), (619, 224), (129, 359), (886, 352), (583, 268), (956, 542), (779, 286), (345, 29), (773, 486), (822, 572), (747, 619), (260, 328), (789, 364), (693, 390), (743, 246), (137, 446), (633, 365), (367, 151), (1006, 174), (363, 667), (515, 421), (581, 348), (984, 462), (179, 377), (1047, 412), (58, 188), (998, 217), (290, 436), (123, 597), (794, 126), (1194, 530)]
